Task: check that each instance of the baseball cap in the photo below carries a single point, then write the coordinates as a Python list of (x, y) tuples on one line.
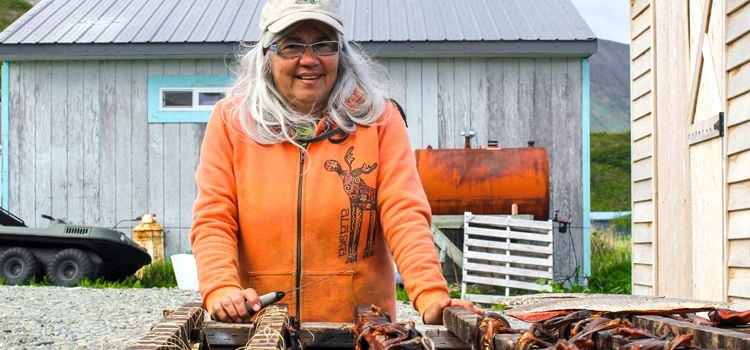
[(277, 15)]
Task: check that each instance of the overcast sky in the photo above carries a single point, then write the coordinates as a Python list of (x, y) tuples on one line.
[(609, 19)]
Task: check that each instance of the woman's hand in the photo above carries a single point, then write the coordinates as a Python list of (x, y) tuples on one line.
[(231, 307), (434, 313)]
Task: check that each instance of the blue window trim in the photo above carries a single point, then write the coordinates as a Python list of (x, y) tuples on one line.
[(157, 82), (5, 124), (586, 160)]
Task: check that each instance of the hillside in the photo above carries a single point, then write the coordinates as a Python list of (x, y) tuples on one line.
[(10, 10), (610, 87), (610, 171)]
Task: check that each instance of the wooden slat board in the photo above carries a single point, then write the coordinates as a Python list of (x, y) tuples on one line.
[(739, 251), (734, 5), (508, 270), (642, 106), (739, 167), (541, 249), (502, 222), (643, 274), (738, 110), (739, 196), (738, 223), (506, 252), (643, 211), (43, 135), (643, 169), (642, 233), (643, 253), (643, 148), (502, 258), (487, 232), (640, 23), (643, 190), (642, 127), (739, 282), (737, 138), (74, 148), (59, 142), (738, 52), (641, 64), (738, 23), (739, 80)]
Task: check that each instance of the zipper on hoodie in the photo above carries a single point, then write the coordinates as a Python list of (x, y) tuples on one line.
[(299, 231)]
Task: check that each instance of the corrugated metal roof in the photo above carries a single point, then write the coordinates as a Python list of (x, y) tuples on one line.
[(66, 22)]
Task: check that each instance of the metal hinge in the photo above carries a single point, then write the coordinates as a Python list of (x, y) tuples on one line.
[(706, 130), (719, 125)]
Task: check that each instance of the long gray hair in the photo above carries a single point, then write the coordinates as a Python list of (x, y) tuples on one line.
[(265, 116)]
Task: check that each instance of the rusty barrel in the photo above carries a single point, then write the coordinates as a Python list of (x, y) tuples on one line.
[(486, 181)]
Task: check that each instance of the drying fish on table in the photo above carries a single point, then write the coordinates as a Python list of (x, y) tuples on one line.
[(520, 300), (376, 332), (488, 326), (727, 317), (612, 304)]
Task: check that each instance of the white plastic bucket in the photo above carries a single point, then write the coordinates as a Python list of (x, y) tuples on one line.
[(185, 271)]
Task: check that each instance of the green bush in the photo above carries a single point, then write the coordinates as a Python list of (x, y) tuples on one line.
[(610, 171), (611, 268)]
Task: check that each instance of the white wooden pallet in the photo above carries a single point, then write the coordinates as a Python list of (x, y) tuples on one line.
[(505, 252)]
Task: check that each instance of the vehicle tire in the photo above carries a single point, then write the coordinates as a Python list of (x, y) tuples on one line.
[(18, 265), (69, 266)]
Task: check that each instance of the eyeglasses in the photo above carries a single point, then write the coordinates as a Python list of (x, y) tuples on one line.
[(323, 48)]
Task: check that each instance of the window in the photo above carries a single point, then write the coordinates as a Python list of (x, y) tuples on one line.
[(191, 99), (185, 99)]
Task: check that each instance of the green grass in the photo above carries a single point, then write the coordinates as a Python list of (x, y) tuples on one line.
[(159, 274), (611, 267), (610, 171), (610, 263), (401, 294)]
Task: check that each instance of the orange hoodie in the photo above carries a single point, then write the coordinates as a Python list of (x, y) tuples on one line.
[(269, 218)]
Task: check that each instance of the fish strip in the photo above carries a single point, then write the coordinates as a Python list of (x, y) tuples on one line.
[(613, 304)]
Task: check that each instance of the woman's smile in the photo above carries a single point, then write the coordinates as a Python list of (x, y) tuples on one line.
[(305, 81)]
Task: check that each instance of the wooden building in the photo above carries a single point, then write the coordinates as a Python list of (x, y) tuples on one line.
[(86, 139), (691, 149)]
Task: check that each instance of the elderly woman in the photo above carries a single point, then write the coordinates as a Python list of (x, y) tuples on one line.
[(306, 171)]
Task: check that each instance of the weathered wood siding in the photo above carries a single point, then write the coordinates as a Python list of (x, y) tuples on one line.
[(738, 151), (691, 201), (81, 147), (511, 100), (643, 155)]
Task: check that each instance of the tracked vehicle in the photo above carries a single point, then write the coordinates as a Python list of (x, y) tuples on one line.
[(65, 253)]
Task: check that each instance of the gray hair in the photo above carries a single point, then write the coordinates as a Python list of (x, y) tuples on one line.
[(265, 116)]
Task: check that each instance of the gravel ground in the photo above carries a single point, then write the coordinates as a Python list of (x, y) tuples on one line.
[(85, 318)]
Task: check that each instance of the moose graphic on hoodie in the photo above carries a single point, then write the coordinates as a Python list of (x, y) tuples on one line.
[(362, 198)]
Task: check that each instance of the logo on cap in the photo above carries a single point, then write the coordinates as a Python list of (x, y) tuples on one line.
[(311, 2)]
